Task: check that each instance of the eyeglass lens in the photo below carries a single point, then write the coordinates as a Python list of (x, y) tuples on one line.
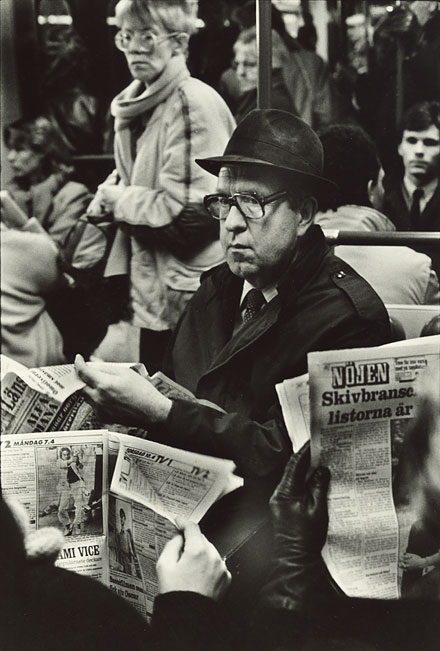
[(248, 205), (146, 39)]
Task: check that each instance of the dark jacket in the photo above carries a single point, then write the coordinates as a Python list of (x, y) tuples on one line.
[(46, 608), (396, 209), (322, 304)]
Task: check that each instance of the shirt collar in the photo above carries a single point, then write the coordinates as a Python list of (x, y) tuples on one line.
[(268, 292), (428, 189)]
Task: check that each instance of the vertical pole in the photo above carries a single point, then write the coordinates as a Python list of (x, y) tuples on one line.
[(399, 82), (264, 52)]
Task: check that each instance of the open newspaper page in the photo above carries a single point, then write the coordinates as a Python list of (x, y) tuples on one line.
[(362, 401), (59, 477), (293, 395), (46, 399), (151, 485)]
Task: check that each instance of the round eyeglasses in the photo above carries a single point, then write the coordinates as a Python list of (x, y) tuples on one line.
[(250, 205), (146, 39)]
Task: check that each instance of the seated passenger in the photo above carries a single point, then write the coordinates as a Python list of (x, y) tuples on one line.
[(412, 198), (397, 273), (41, 184), (299, 611), (69, 611), (280, 294), (29, 271)]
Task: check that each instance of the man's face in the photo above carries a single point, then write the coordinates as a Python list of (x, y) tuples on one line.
[(122, 516), (147, 66), (246, 65), (259, 250), (65, 455), (420, 152)]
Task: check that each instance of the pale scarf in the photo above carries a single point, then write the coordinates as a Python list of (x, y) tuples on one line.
[(131, 102)]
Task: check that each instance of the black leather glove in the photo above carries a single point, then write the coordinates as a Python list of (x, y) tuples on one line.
[(300, 522)]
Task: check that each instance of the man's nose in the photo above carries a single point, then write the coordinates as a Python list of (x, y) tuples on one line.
[(419, 148), (235, 222)]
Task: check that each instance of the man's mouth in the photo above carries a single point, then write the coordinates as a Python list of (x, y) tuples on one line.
[(419, 163)]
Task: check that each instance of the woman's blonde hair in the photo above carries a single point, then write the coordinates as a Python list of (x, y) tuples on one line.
[(170, 15)]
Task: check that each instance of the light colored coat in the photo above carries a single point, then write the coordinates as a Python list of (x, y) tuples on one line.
[(397, 273), (29, 271), (193, 122)]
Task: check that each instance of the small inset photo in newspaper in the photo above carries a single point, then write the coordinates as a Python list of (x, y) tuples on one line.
[(69, 486), (122, 551)]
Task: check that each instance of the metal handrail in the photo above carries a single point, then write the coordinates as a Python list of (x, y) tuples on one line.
[(335, 236)]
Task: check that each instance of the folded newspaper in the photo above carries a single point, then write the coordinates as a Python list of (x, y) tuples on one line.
[(356, 410), (114, 496)]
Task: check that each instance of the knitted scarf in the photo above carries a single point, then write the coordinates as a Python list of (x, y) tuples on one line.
[(131, 103)]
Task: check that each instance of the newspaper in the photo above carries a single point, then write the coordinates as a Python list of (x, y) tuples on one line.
[(48, 398), (293, 395), (151, 485), (115, 498), (59, 477), (362, 401)]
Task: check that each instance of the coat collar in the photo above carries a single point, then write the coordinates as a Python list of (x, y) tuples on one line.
[(227, 289)]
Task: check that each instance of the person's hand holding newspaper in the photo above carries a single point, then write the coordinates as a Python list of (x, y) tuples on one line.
[(191, 563), (121, 395)]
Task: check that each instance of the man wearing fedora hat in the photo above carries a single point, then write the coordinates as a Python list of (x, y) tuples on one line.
[(280, 294)]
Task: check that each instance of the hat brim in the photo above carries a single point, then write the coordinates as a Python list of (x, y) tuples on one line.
[(322, 187)]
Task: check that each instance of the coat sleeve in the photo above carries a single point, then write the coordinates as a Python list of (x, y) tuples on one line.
[(258, 449), (196, 127), (187, 621), (69, 204)]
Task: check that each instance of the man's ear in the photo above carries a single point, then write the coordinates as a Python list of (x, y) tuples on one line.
[(307, 211), (370, 190), (181, 41)]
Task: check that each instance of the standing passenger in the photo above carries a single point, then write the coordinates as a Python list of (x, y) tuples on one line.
[(163, 120)]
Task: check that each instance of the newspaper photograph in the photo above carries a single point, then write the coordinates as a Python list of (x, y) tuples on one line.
[(362, 402), (151, 485), (59, 479)]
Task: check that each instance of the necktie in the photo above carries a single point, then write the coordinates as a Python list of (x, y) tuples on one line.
[(253, 301), (414, 213)]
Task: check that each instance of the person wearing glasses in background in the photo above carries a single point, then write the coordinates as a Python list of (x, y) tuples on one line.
[(280, 294), (163, 120)]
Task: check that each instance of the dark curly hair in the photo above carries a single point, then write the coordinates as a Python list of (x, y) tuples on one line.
[(350, 161)]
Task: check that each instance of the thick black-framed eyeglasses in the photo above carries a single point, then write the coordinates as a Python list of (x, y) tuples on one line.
[(250, 205)]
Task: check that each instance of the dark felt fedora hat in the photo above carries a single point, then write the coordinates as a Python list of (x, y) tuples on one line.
[(275, 139)]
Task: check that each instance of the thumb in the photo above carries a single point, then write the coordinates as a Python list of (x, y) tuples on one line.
[(172, 551), (319, 484)]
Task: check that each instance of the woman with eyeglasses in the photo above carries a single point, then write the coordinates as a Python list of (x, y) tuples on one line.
[(163, 120)]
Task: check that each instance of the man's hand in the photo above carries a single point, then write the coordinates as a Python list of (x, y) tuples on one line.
[(300, 521), (120, 395), (189, 562)]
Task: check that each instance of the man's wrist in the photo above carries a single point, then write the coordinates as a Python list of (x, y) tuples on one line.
[(159, 414)]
